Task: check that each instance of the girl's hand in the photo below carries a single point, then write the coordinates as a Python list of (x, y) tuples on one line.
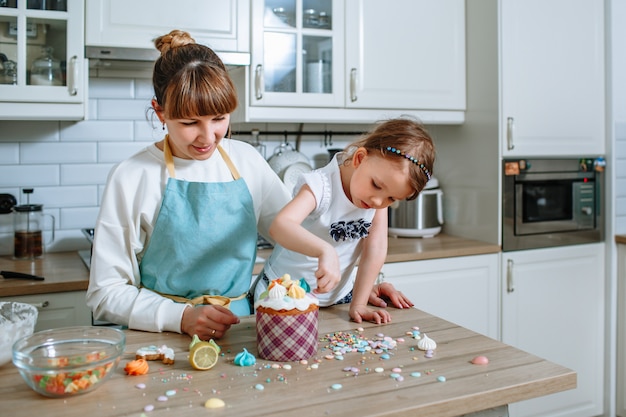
[(327, 273), (358, 313), (207, 321), (386, 291)]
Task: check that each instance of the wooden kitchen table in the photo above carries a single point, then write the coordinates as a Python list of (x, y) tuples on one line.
[(307, 389)]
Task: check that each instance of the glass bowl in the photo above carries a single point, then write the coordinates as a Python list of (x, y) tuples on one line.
[(17, 320), (68, 361)]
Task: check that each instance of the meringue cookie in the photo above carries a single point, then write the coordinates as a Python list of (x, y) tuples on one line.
[(426, 343)]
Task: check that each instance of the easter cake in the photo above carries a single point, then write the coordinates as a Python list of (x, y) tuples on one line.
[(286, 321)]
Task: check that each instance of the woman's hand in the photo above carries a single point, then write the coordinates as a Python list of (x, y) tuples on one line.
[(386, 291), (358, 313), (207, 321)]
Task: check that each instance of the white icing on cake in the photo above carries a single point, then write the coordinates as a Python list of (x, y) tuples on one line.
[(282, 294)]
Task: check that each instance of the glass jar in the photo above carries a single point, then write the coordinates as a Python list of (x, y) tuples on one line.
[(46, 70), (9, 74)]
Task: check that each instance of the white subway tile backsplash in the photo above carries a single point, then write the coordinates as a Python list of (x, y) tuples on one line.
[(143, 89), (9, 153), (85, 174), (28, 175), (117, 88), (122, 109), (66, 196), (96, 130), (20, 131), (117, 152), (55, 153), (79, 217)]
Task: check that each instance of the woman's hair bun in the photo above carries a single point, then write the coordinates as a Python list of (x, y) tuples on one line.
[(174, 39)]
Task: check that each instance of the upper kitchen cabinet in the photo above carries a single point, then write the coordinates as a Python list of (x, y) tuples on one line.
[(224, 25), (354, 61), (552, 78), (42, 69)]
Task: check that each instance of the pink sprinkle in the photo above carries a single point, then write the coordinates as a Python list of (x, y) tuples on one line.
[(148, 407), (396, 370), (480, 360), (140, 386), (161, 398), (400, 340)]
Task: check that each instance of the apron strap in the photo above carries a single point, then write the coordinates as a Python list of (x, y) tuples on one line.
[(169, 159)]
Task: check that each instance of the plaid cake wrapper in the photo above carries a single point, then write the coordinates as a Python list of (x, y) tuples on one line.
[(286, 338)]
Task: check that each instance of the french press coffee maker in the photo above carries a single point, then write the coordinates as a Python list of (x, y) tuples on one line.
[(29, 222)]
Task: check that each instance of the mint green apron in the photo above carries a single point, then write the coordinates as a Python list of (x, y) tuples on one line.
[(204, 241)]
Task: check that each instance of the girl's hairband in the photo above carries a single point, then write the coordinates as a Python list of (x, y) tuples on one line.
[(410, 158)]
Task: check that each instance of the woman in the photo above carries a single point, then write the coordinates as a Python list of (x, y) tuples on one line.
[(175, 240)]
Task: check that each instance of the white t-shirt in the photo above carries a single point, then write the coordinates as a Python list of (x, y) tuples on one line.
[(337, 221), (129, 209)]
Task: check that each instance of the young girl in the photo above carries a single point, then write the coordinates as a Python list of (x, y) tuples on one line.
[(339, 213)]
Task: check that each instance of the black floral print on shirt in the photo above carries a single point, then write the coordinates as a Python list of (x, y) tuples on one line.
[(353, 229)]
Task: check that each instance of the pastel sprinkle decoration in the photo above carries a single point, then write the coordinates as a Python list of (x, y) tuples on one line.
[(441, 378), (336, 386)]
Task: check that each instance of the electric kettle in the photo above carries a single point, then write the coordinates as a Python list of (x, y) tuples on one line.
[(422, 217)]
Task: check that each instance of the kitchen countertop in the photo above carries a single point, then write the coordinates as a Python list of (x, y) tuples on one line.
[(511, 375), (65, 271)]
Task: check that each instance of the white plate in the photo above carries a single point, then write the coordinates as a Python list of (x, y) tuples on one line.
[(293, 171)]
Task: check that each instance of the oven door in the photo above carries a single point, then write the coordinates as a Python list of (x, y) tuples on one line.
[(553, 203)]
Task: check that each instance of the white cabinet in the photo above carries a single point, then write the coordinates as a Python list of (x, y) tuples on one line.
[(553, 307), (464, 290), (406, 54), (621, 330), (58, 309), (367, 61), (552, 77), (25, 33), (221, 24)]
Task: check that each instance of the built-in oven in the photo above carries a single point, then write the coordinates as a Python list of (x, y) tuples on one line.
[(552, 202)]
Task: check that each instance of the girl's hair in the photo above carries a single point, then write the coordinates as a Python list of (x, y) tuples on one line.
[(407, 138), (190, 80)]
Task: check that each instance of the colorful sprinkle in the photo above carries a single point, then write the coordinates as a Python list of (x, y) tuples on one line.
[(441, 378), (336, 386), (379, 370), (148, 408), (161, 398), (416, 374), (140, 386), (170, 393), (259, 387)]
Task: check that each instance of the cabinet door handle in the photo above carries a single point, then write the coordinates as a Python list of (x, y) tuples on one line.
[(353, 96), (73, 79), (258, 82), (40, 305), (509, 276), (509, 133)]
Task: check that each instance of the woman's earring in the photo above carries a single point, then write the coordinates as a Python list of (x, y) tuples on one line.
[(163, 125)]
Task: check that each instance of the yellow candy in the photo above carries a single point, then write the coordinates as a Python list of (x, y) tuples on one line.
[(214, 403), (296, 291)]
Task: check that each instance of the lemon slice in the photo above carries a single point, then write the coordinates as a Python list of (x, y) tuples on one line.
[(204, 355)]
